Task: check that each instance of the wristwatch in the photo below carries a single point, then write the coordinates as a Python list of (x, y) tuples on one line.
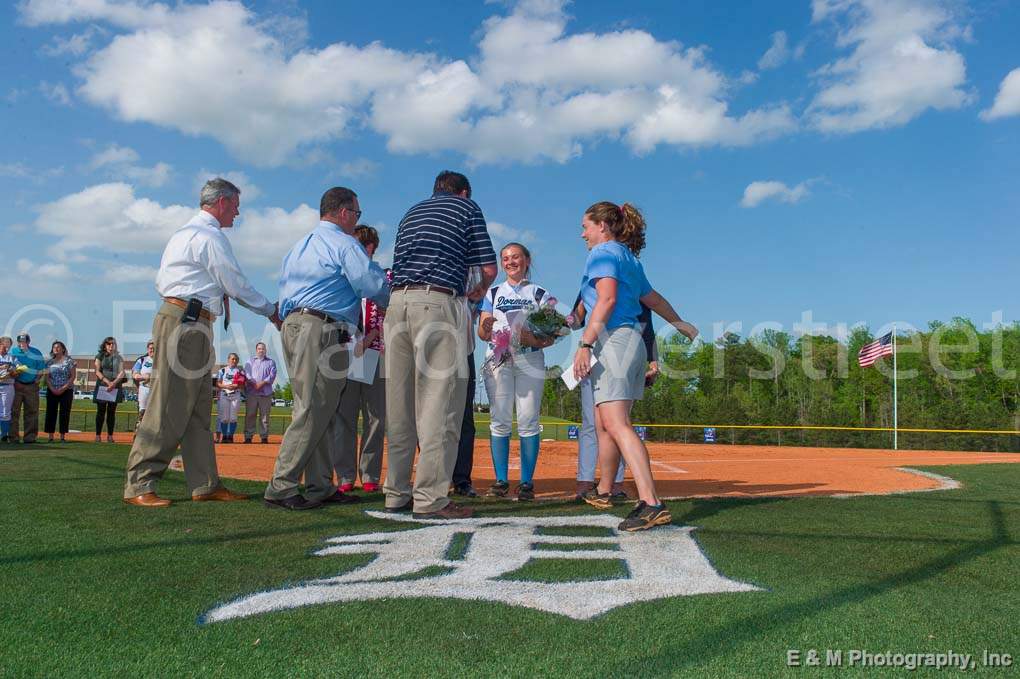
[(584, 345)]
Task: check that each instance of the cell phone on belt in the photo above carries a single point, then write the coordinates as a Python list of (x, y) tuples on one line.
[(193, 311)]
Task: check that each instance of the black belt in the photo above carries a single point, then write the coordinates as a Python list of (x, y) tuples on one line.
[(428, 287), (345, 335), (312, 312)]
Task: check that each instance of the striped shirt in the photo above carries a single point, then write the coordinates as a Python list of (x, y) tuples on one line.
[(438, 239)]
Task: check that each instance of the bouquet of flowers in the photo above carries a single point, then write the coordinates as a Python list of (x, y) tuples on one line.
[(502, 348), (239, 378), (545, 323)]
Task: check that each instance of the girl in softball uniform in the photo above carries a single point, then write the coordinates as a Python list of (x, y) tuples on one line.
[(518, 382), (8, 364), (230, 381)]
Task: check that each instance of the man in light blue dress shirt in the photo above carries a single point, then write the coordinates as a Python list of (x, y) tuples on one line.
[(322, 282)]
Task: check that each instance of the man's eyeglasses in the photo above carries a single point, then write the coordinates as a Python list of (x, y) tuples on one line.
[(357, 213)]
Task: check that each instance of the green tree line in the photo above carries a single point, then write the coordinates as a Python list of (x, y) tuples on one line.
[(951, 376)]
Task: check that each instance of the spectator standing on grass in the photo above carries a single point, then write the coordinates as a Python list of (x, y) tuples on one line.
[(198, 275), (60, 373), (323, 279), (260, 374), (426, 325), (366, 400), (141, 373), (8, 366), (26, 389), (230, 381), (613, 288), (109, 391)]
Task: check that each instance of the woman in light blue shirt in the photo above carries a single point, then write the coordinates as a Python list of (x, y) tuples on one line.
[(613, 288)]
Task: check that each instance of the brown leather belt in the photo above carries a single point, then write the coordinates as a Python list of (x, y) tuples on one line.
[(183, 303), (427, 287), (345, 336)]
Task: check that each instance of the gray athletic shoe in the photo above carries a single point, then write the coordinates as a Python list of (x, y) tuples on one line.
[(645, 516)]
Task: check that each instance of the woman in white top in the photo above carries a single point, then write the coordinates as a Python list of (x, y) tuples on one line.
[(230, 397), (141, 373), (8, 365), (519, 381)]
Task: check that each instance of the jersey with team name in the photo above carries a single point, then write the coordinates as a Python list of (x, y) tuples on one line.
[(507, 302)]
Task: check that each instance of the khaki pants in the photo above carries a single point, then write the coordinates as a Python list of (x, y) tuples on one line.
[(256, 410), (317, 366), (26, 395), (368, 400), (426, 384), (179, 408)]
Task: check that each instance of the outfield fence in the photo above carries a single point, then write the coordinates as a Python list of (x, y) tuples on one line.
[(1000, 440)]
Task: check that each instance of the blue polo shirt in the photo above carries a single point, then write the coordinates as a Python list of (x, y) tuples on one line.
[(438, 239), (33, 359), (329, 271), (615, 260)]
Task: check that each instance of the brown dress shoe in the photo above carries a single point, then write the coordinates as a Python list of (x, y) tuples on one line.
[(450, 511), (147, 500), (221, 494)]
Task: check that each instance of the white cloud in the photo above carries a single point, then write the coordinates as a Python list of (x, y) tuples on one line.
[(501, 234), (76, 45), (55, 92), (249, 191), (358, 168), (758, 192), (130, 225), (36, 175), (119, 163), (777, 55), (120, 13), (902, 63), (108, 218), (49, 281), (533, 92), (114, 155), (119, 273), (265, 235), (1007, 101), (384, 256), (48, 270)]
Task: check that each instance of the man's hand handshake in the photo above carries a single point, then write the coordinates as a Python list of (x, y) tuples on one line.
[(275, 318)]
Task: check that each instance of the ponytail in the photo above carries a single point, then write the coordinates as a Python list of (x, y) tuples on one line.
[(624, 222)]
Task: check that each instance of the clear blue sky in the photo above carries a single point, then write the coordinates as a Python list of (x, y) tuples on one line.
[(854, 158)]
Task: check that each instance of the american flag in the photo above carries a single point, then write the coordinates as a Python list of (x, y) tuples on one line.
[(870, 352)]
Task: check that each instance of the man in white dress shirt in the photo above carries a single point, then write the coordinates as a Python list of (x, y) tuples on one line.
[(198, 264)]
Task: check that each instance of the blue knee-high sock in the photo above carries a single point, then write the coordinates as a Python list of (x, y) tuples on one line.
[(5, 427), (231, 428), (529, 457), (223, 428), (500, 446)]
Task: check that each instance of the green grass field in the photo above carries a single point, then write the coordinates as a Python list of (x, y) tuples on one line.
[(93, 587), (83, 417)]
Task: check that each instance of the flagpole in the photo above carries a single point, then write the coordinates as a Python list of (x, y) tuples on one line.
[(895, 399)]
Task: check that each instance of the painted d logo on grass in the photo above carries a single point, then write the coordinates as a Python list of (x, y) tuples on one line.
[(476, 559)]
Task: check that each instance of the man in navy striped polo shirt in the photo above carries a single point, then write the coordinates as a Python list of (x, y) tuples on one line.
[(425, 330)]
